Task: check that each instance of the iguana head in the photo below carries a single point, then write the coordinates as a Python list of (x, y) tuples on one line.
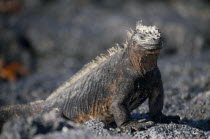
[(146, 38)]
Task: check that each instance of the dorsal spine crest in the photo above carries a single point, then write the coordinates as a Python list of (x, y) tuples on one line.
[(99, 60)]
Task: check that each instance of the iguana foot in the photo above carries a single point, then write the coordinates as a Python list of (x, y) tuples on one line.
[(137, 125)]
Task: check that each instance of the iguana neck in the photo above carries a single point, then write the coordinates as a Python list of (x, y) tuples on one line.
[(142, 61)]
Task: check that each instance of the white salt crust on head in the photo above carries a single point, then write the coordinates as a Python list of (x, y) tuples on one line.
[(144, 34)]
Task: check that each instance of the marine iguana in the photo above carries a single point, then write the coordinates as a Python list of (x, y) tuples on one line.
[(111, 86)]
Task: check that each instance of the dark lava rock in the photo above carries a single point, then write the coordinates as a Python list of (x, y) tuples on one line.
[(32, 126), (172, 131), (35, 87), (60, 30), (159, 131), (65, 35)]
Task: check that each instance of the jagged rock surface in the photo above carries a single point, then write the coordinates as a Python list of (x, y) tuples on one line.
[(66, 39)]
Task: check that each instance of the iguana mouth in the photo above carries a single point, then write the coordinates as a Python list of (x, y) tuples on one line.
[(153, 51), (152, 47)]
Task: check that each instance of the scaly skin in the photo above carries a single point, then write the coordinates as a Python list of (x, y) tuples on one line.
[(115, 87)]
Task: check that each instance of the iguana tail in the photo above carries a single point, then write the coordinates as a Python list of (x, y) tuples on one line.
[(22, 110)]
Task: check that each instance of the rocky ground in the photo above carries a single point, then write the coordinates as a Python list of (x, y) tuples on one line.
[(65, 35)]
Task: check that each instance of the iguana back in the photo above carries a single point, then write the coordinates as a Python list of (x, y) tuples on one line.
[(111, 86)]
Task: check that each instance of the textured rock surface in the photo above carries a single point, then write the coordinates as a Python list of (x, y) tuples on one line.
[(66, 39), (53, 31)]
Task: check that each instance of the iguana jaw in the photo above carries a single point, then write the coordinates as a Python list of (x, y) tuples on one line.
[(152, 49)]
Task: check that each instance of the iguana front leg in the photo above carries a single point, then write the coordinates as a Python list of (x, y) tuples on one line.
[(156, 105), (156, 102), (124, 121), (122, 115)]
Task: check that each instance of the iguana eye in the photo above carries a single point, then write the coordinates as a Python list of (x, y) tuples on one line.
[(134, 42), (135, 45)]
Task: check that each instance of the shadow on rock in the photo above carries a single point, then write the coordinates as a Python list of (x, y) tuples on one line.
[(203, 124)]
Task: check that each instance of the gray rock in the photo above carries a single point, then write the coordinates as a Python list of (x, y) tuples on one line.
[(32, 126), (66, 35), (60, 30), (171, 131)]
